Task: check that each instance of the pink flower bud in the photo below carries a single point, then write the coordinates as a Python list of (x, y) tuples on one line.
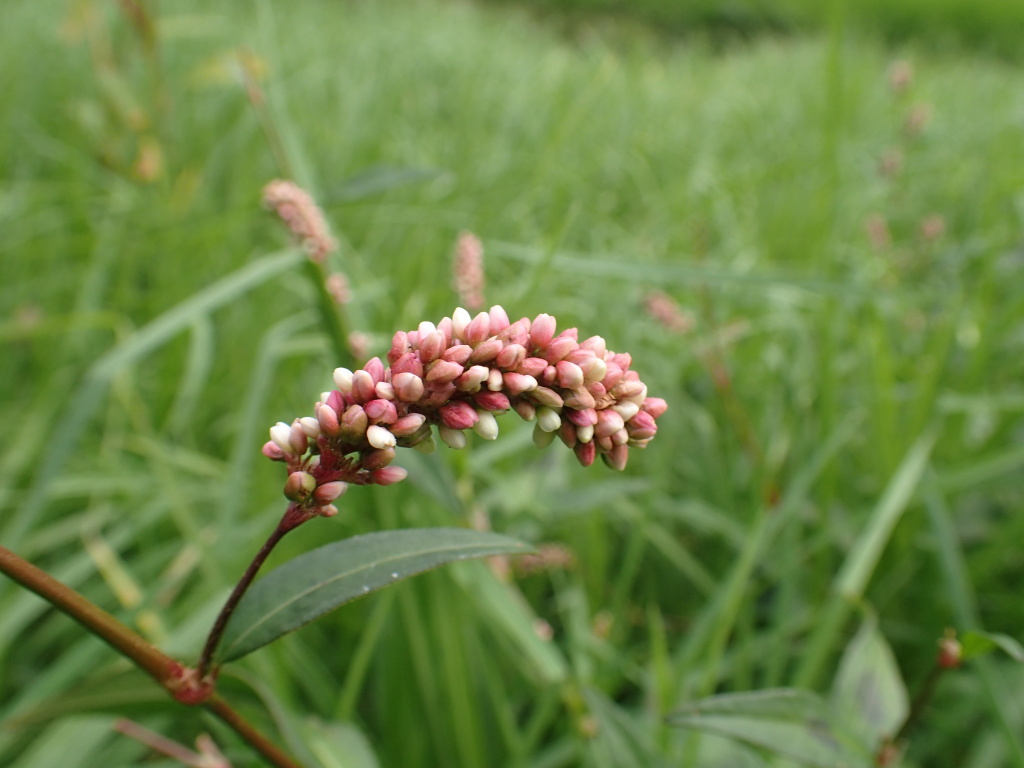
[(408, 387), (375, 368), (570, 375), (280, 435), (343, 379), (297, 439), (376, 459), (353, 424), (458, 354), (549, 377), (527, 411), (495, 380), (532, 366), (586, 417), (472, 379), (623, 359), (388, 475), (596, 345), (626, 409), (517, 333), (273, 451), (407, 363), (478, 329), (460, 320), (654, 406), (608, 423), (399, 346), (585, 453), (542, 438), (328, 492), (459, 414), (486, 351), (437, 395), (548, 420), (641, 427), (453, 438), (617, 457), (381, 411), (613, 375), (486, 426), (621, 437), (517, 383), (499, 320), (379, 437), (431, 346), (299, 485), (491, 401), (445, 329), (363, 386), (580, 399), (627, 390), (310, 426), (567, 434), (443, 372), (559, 348), (328, 510), (408, 425), (511, 357), (548, 397), (542, 330), (336, 400)]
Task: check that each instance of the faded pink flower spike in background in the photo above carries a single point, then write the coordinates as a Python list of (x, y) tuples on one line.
[(297, 209), (458, 375), (468, 270)]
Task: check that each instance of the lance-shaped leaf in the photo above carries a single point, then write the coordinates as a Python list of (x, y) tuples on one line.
[(319, 581)]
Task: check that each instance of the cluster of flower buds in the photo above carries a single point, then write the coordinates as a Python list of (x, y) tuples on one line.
[(455, 376)]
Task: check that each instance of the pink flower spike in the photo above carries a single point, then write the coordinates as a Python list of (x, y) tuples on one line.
[(388, 475), (570, 375), (408, 387), (273, 451), (499, 319), (654, 406), (458, 414)]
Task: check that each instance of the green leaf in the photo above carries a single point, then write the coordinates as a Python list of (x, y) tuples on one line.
[(319, 581), (338, 745), (974, 644), (869, 694), (792, 723)]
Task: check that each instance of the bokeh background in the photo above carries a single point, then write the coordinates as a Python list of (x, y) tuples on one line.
[(802, 219)]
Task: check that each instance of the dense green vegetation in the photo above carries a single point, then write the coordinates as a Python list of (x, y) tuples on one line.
[(844, 241)]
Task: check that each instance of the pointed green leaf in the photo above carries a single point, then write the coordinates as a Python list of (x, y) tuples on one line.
[(770, 704), (319, 581), (974, 644)]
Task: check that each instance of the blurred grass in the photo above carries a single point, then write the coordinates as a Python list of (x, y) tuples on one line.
[(782, 192)]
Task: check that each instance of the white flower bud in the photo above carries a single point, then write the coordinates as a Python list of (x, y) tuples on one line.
[(460, 319), (453, 438), (379, 437), (281, 433), (342, 380), (310, 426), (541, 437), (548, 419), (486, 426)]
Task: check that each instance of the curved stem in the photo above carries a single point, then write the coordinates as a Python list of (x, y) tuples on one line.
[(293, 517)]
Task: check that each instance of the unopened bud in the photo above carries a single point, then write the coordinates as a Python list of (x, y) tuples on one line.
[(281, 434), (547, 419), (299, 485), (343, 379), (328, 492), (542, 438), (273, 451), (486, 426), (371, 460), (379, 437), (388, 475), (453, 438), (310, 426)]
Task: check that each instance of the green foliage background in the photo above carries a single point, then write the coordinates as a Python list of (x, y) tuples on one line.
[(839, 393)]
